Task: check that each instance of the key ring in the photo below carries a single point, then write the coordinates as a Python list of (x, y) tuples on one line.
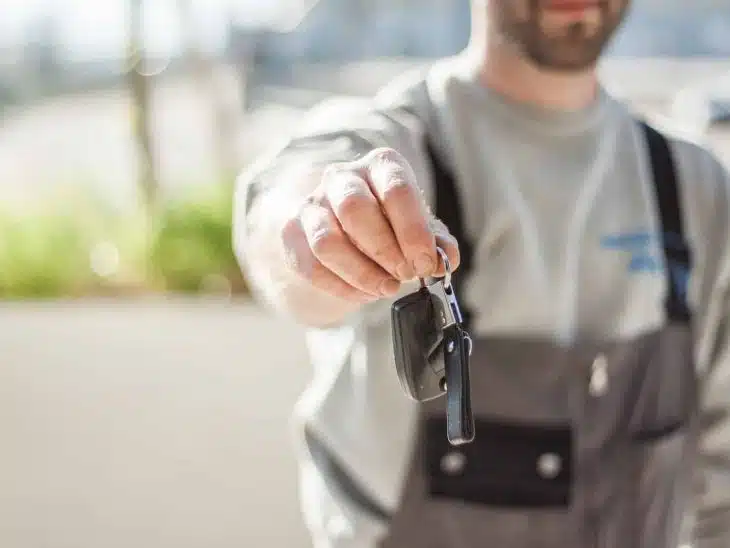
[(447, 269)]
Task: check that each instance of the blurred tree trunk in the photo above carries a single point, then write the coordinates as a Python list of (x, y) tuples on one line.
[(141, 105), (216, 89)]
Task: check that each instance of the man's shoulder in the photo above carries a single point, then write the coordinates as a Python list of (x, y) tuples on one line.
[(415, 87), (703, 177), (700, 165), (406, 86), (682, 138)]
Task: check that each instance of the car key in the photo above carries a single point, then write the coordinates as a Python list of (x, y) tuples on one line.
[(432, 351)]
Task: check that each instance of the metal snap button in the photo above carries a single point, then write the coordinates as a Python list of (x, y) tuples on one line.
[(549, 465), (453, 463), (598, 385)]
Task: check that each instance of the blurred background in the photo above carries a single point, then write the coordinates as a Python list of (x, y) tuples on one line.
[(144, 399)]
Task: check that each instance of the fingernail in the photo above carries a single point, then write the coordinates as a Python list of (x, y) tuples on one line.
[(405, 272), (389, 287), (424, 266)]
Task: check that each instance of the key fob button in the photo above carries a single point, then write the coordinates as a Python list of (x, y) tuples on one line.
[(453, 463)]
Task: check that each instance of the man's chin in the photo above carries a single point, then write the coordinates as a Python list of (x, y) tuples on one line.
[(549, 59), (566, 67)]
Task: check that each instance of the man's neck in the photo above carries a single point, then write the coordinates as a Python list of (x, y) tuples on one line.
[(506, 72)]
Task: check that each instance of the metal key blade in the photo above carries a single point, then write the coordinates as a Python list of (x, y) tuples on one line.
[(459, 415)]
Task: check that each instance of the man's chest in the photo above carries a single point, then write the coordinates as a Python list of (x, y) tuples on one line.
[(565, 246)]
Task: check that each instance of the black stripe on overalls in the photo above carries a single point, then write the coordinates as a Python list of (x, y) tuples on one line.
[(677, 254)]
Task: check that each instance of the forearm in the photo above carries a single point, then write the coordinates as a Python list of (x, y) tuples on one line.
[(261, 253)]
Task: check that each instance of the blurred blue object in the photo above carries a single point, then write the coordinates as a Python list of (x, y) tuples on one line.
[(676, 29)]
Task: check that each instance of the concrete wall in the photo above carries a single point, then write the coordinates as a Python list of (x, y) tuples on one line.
[(147, 425)]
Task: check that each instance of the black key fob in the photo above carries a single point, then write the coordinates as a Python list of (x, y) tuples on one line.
[(432, 352), (417, 339)]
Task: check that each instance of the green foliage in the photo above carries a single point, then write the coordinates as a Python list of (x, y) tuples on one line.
[(67, 248), (191, 248), (43, 256)]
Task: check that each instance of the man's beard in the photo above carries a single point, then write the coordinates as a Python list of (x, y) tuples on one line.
[(574, 47)]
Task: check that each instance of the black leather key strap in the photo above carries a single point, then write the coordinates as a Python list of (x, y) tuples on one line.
[(459, 416)]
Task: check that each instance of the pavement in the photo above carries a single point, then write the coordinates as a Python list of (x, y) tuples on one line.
[(148, 424)]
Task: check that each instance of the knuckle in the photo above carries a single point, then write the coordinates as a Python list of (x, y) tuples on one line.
[(386, 155), (351, 206), (390, 164), (316, 199), (351, 183), (352, 186), (398, 190), (326, 243), (348, 194)]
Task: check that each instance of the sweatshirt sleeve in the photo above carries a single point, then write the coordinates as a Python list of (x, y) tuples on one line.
[(708, 192), (336, 130)]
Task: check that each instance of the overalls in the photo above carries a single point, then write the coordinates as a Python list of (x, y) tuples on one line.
[(583, 446)]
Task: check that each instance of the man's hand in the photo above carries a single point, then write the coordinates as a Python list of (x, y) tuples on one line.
[(365, 229)]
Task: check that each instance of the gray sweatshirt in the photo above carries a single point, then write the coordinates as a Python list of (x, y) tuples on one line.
[(561, 210)]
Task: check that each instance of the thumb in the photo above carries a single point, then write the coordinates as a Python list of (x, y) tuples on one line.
[(448, 243)]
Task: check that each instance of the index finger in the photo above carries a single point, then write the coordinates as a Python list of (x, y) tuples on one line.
[(393, 182)]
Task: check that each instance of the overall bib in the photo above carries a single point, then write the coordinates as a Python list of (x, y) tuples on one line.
[(583, 446)]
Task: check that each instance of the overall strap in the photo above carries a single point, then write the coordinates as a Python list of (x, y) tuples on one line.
[(448, 208), (677, 253)]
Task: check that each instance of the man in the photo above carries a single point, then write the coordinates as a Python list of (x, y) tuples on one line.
[(594, 267)]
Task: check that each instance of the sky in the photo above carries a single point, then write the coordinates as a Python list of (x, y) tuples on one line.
[(96, 28)]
